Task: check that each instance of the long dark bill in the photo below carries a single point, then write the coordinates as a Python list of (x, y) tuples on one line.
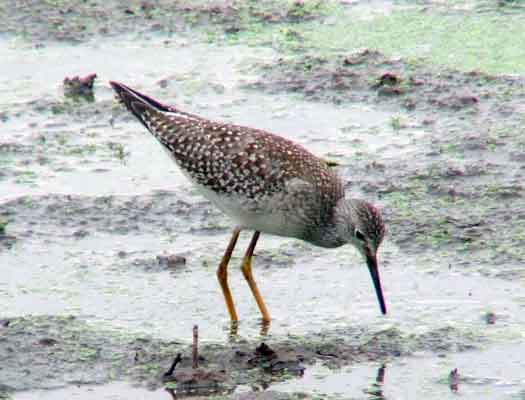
[(371, 261)]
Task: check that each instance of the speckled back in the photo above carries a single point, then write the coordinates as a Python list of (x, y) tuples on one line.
[(265, 181)]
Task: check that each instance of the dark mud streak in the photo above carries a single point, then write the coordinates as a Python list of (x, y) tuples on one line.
[(369, 76), (78, 21), (43, 352), (460, 193), (67, 215)]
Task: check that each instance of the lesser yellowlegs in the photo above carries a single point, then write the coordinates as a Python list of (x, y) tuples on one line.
[(265, 183)]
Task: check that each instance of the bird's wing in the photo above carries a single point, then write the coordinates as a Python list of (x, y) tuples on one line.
[(228, 158)]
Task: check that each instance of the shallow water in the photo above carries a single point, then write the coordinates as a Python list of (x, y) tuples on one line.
[(114, 391), (493, 373)]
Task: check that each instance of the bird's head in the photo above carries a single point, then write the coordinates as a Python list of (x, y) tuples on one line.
[(360, 223)]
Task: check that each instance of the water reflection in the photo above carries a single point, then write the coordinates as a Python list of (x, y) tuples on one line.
[(269, 369), (233, 331), (375, 391), (454, 380)]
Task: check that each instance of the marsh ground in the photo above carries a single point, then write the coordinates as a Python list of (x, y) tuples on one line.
[(421, 105)]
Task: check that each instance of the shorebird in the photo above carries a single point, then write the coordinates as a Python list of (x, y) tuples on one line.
[(265, 183)]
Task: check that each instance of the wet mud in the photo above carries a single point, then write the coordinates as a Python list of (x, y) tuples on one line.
[(462, 186), (78, 21), (108, 255), (49, 352)]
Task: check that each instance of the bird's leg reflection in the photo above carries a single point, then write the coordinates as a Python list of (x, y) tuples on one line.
[(376, 389), (172, 393), (233, 333), (265, 327)]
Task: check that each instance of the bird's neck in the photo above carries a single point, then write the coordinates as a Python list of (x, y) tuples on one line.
[(331, 232)]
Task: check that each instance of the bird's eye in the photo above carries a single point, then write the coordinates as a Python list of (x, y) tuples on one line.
[(358, 234)]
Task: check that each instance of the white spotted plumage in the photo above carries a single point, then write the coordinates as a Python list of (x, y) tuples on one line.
[(263, 181)]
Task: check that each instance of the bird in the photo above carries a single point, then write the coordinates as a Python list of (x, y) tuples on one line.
[(265, 183)]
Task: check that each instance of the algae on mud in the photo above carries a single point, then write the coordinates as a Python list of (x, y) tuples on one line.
[(78, 21), (458, 183), (56, 351)]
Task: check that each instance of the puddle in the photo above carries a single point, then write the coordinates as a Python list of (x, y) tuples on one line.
[(113, 391), (320, 289), (124, 391), (495, 372)]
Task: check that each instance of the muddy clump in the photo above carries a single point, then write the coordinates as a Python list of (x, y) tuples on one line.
[(80, 87), (42, 352), (275, 363), (172, 261)]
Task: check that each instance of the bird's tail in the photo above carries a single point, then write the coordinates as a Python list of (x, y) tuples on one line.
[(154, 115), (138, 103)]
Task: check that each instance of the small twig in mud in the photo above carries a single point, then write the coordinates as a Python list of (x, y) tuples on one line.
[(195, 346), (177, 360)]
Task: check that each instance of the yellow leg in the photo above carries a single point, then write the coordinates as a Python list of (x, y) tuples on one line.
[(222, 274), (247, 272)]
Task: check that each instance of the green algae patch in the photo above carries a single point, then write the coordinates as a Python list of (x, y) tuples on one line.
[(483, 42), (488, 42)]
